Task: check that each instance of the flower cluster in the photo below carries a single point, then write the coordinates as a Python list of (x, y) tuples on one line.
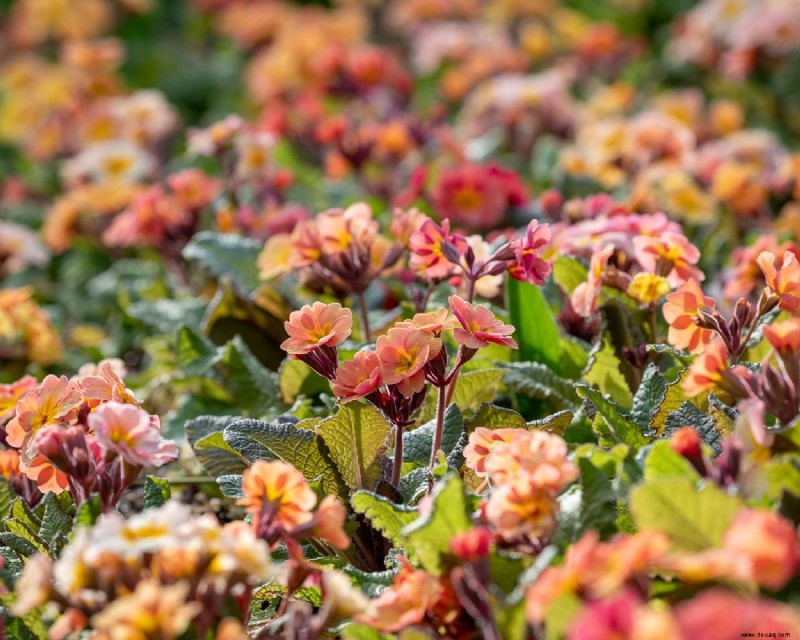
[(526, 471), (84, 434), (151, 576)]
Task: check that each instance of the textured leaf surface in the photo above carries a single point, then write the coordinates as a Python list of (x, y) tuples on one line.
[(648, 395), (301, 448), (357, 438), (490, 416), (156, 492), (604, 372), (226, 255), (620, 427), (417, 443), (56, 523), (386, 516), (429, 537), (536, 380), (694, 519)]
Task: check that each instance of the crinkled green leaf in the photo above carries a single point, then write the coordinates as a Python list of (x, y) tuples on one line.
[(473, 388), (588, 504), (295, 379), (22, 530), (254, 387), (603, 371), (536, 380), (428, 539), (194, 353), (662, 462), (417, 443), (688, 415), (89, 512), (648, 396), (156, 492), (217, 456), (226, 255), (386, 516), (302, 448), (7, 497), (556, 423), (231, 485), (357, 438), (621, 428), (56, 523), (694, 519), (490, 416)]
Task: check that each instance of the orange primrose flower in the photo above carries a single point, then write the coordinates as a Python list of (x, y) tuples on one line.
[(783, 281), (680, 311), (479, 327), (315, 326), (358, 377), (281, 486), (403, 353)]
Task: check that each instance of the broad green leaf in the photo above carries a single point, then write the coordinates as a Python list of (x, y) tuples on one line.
[(648, 395), (19, 528), (662, 462), (194, 353), (22, 512), (386, 516), (783, 475), (226, 255), (417, 443), (536, 380), (511, 621), (360, 631), (371, 583), (231, 486), (164, 315), (7, 497), (295, 379), (89, 512), (604, 372), (217, 456), (56, 524), (473, 388), (357, 438), (673, 397), (302, 448), (490, 416), (688, 415), (254, 387), (428, 539), (568, 273), (620, 427), (588, 504), (694, 519), (556, 423), (560, 615), (156, 492), (537, 332)]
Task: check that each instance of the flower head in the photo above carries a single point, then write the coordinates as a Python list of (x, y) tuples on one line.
[(317, 325), (10, 395), (482, 442), (783, 281), (670, 254), (521, 510), (680, 312), (648, 288), (586, 295), (358, 377), (784, 336), (132, 433), (403, 353), (479, 327), (532, 456), (706, 372), (279, 489), (405, 603), (51, 403), (428, 257), (530, 266)]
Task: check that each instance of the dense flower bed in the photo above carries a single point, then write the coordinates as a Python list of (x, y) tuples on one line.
[(413, 319)]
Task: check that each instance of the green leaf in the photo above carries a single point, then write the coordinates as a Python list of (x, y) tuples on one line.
[(194, 353), (662, 462), (648, 395), (673, 397), (783, 475), (22, 512), (537, 332), (536, 380), (371, 583), (688, 415), (604, 372), (694, 519), (568, 273), (56, 524), (429, 537), (360, 631), (511, 622), (7, 497), (156, 492), (226, 255), (89, 512), (560, 615), (588, 504), (556, 423), (296, 379), (254, 387), (417, 443), (620, 428), (22, 530), (473, 388), (164, 315), (386, 516), (490, 416), (357, 438), (217, 456), (302, 448), (231, 486)]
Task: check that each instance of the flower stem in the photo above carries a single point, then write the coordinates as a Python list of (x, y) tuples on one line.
[(397, 464), (366, 334), (441, 403)]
